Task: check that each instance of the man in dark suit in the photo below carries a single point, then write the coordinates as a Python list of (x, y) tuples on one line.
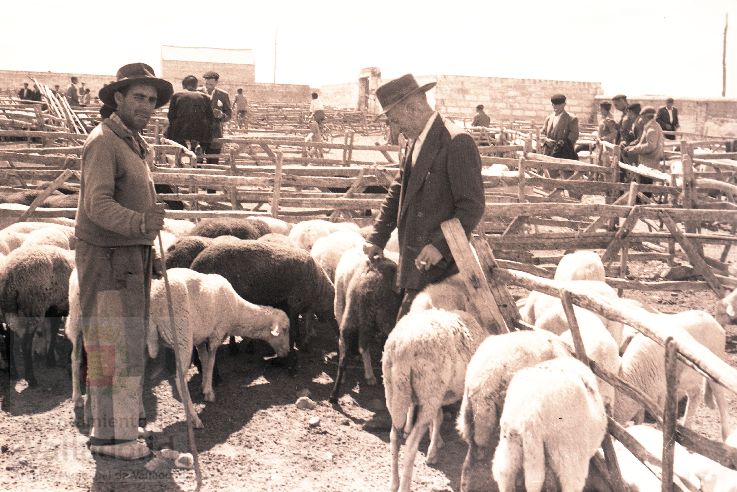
[(439, 179), (221, 109), (25, 92), (560, 131), (191, 118), (667, 118)]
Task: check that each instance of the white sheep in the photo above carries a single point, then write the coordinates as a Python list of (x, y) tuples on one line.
[(487, 377), (580, 265), (726, 308), (598, 342), (643, 366), (424, 364), (553, 418), (276, 226), (13, 236), (305, 233), (449, 294), (55, 235), (328, 250), (207, 309)]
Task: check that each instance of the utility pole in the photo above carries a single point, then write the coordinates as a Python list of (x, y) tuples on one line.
[(724, 56), (276, 33)]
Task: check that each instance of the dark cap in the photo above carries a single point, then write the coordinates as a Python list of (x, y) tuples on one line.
[(480, 107), (647, 110), (634, 107), (558, 99), (211, 75), (189, 81), (669, 100), (618, 97), (606, 105)]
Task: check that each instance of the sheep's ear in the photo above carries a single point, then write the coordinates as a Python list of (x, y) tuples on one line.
[(275, 330), (730, 309)]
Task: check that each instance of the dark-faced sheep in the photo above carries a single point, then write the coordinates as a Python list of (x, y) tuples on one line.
[(34, 285), (229, 226), (366, 306), (270, 275)]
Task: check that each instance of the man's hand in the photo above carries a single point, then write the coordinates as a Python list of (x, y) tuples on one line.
[(153, 218), (373, 251), (428, 257), (218, 113)]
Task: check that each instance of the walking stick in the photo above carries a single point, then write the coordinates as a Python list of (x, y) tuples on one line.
[(180, 372)]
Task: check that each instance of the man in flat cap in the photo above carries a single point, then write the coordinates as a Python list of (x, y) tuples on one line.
[(439, 179), (634, 133), (221, 109), (667, 118), (624, 127), (607, 130), (560, 131), (116, 224), (649, 147), (481, 118)]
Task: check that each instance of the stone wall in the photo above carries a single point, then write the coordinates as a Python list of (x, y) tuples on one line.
[(276, 93), (11, 80), (339, 95), (715, 117)]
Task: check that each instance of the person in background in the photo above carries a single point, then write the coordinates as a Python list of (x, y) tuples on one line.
[(222, 111), (73, 92), (25, 92), (240, 104), (624, 127), (316, 109), (191, 118), (607, 126), (667, 118), (633, 115), (116, 224), (560, 131), (439, 179), (481, 118), (57, 89), (86, 97), (648, 149)]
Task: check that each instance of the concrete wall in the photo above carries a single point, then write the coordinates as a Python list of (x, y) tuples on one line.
[(232, 75), (339, 95), (276, 93), (513, 99), (11, 81), (715, 117)]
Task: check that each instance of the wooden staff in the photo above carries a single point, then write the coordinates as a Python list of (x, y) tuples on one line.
[(670, 413)]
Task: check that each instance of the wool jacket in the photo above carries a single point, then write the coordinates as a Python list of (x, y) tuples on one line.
[(445, 182), (190, 117), (116, 187), (649, 148)]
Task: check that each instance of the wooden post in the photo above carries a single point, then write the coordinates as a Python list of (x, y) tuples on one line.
[(624, 254), (473, 277), (521, 181), (565, 298), (46, 193), (688, 181), (670, 413), (503, 298), (277, 184)]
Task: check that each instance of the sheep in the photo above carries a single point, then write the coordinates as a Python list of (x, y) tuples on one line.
[(34, 285), (60, 236), (178, 227), (182, 253), (207, 309), (553, 418), (488, 374), (278, 239), (598, 342), (366, 304), (424, 364), (726, 308), (305, 233), (12, 236), (228, 226), (580, 265), (73, 332), (328, 249), (449, 294), (275, 225), (643, 367), (267, 274)]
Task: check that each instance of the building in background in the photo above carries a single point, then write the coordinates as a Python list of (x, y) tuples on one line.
[(235, 66)]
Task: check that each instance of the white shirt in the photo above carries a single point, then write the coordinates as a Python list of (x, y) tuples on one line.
[(421, 138), (316, 105), (670, 113)]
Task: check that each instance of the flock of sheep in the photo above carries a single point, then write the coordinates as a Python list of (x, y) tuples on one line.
[(532, 415)]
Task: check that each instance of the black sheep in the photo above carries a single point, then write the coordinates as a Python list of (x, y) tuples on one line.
[(229, 226), (182, 253), (273, 275)]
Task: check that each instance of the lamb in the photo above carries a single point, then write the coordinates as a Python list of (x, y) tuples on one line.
[(366, 304), (554, 418), (207, 310), (487, 377), (643, 367), (275, 225), (598, 342), (328, 250), (266, 274), (424, 363), (305, 233), (580, 265), (228, 226), (449, 294), (34, 286)]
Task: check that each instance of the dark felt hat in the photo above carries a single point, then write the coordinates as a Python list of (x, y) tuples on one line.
[(606, 105), (480, 106), (211, 75), (635, 107), (619, 96), (647, 110), (558, 99), (397, 90), (136, 73)]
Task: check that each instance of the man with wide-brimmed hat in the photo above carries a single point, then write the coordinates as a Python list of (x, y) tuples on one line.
[(116, 224), (559, 131), (439, 179)]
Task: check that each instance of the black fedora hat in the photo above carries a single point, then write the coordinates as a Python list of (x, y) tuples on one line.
[(397, 90), (135, 73)]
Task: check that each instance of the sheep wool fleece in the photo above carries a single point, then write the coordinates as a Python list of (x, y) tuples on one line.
[(114, 261)]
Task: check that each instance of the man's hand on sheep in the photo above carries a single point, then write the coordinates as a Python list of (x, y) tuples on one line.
[(373, 251), (428, 257), (153, 219)]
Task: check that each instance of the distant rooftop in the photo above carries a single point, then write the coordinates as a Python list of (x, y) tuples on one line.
[(204, 54)]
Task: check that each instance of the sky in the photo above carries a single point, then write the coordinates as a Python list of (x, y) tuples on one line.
[(636, 47)]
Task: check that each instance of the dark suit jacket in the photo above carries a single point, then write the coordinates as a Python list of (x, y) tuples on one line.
[(481, 119), (663, 119), (190, 117), (566, 130), (28, 94), (226, 108), (445, 182)]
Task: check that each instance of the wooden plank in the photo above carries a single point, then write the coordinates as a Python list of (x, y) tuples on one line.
[(473, 277), (277, 185), (670, 413), (502, 296), (46, 193), (693, 254)]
